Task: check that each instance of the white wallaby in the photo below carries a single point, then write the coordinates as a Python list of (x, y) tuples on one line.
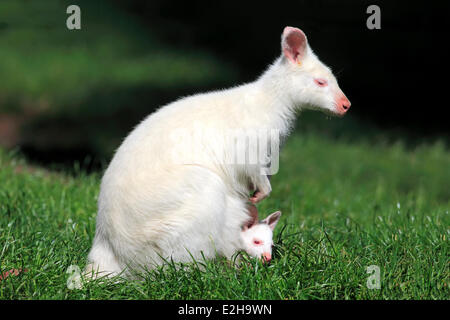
[(153, 206), (257, 237)]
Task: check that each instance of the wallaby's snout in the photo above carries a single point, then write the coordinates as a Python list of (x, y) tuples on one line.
[(343, 104), (267, 256)]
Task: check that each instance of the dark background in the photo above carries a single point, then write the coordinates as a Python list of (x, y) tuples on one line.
[(395, 77)]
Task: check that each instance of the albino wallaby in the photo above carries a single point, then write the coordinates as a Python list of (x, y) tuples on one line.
[(153, 207), (257, 236)]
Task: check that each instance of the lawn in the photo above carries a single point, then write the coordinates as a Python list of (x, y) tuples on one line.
[(347, 204)]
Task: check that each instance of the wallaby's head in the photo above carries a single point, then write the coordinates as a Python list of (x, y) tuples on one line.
[(257, 238), (306, 80)]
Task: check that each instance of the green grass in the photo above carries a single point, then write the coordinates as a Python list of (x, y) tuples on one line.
[(346, 205)]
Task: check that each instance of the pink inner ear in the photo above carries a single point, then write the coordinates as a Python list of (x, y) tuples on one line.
[(272, 219), (294, 44)]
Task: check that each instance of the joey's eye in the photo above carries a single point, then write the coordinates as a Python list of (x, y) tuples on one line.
[(321, 82), (257, 242)]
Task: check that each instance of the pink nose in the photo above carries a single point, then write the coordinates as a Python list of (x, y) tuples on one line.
[(267, 257), (343, 104)]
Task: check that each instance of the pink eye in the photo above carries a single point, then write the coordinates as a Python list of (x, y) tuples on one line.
[(257, 242), (321, 82)]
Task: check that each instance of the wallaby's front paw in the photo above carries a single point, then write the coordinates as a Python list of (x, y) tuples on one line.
[(258, 196)]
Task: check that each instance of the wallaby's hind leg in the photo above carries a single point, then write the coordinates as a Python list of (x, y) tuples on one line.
[(194, 229), (197, 217)]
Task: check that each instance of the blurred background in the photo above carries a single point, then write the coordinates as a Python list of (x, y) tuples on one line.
[(72, 96)]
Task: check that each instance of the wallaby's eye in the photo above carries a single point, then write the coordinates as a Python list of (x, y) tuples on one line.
[(257, 242), (321, 82)]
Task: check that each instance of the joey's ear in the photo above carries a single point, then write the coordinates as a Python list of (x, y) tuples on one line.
[(294, 44), (250, 223), (272, 219), (253, 217)]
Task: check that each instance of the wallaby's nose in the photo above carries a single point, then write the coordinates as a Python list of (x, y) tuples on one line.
[(267, 257), (346, 104), (343, 105)]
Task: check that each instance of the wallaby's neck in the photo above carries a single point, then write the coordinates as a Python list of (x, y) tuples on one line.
[(278, 103)]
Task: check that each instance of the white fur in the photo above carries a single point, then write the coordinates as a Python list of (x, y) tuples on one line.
[(257, 240), (151, 207)]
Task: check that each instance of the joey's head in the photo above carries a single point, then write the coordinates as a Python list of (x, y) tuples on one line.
[(257, 238), (307, 81)]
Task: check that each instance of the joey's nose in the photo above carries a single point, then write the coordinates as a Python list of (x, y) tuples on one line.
[(267, 257)]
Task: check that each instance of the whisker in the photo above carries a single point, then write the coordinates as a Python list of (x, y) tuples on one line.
[(339, 72)]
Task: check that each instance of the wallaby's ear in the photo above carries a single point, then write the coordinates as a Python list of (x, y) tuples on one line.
[(294, 44), (250, 223), (253, 218), (272, 219)]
